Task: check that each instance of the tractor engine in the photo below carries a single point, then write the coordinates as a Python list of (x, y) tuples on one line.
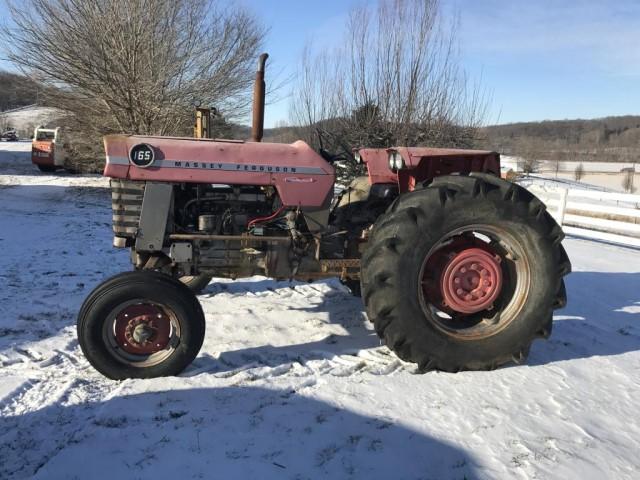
[(221, 209), (190, 229), (228, 224)]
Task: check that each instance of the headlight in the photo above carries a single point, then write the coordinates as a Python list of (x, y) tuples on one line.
[(399, 161), (357, 156), (396, 162)]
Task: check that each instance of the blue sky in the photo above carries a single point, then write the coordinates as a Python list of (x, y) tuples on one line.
[(540, 59)]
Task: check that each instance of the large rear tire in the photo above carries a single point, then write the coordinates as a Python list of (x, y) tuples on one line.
[(141, 324), (490, 237), (47, 168)]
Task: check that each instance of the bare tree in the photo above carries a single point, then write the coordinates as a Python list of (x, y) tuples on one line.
[(627, 179), (395, 80), (136, 66), (530, 156), (530, 164), (578, 173)]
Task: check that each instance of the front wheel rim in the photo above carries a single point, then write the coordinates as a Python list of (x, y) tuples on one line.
[(472, 305), (141, 333)]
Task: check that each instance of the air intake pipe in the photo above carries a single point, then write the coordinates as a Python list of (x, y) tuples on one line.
[(257, 126)]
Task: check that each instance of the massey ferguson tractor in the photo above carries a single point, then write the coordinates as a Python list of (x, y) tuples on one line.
[(457, 268)]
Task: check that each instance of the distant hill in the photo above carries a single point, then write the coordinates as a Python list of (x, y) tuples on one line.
[(609, 139), (603, 139), (25, 119), (17, 91)]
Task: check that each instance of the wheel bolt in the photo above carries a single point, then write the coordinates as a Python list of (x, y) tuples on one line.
[(459, 291), (474, 266), (456, 280), (463, 270)]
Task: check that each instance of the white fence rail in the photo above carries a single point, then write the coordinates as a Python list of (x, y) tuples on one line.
[(612, 217)]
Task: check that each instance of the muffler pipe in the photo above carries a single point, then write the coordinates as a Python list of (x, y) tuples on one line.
[(257, 126)]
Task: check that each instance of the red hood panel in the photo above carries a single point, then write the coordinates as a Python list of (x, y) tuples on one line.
[(301, 176)]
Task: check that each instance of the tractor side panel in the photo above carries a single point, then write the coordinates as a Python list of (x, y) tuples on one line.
[(377, 161), (426, 168), (301, 176), (424, 164)]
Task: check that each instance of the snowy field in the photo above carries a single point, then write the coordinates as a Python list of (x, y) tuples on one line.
[(291, 381), (25, 119), (598, 175)]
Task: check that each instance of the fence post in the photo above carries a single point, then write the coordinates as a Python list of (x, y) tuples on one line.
[(562, 206)]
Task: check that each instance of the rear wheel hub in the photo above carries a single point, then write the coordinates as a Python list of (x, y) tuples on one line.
[(471, 281), (474, 282)]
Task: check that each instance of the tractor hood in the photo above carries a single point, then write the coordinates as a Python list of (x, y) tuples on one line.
[(301, 176)]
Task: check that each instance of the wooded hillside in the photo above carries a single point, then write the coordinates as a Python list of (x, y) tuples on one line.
[(16, 91), (605, 139)]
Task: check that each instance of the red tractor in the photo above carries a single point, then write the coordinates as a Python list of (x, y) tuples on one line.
[(457, 268)]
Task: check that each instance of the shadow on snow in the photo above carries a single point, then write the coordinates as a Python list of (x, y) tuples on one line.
[(229, 432)]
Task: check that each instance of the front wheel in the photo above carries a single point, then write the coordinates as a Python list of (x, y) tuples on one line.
[(140, 324), (47, 168), (464, 274)]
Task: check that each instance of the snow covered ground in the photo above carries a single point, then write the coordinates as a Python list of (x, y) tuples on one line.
[(291, 381)]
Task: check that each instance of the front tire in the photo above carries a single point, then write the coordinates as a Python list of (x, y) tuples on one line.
[(46, 168), (424, 249), (140, 324)]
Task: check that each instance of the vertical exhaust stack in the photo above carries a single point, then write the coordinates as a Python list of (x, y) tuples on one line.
[(257, 127)]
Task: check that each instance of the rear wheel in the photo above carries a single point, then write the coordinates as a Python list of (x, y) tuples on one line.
[(141, 324), (47, 168), (464, 274)]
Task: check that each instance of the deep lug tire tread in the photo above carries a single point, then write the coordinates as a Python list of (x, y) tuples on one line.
[(417, 215)]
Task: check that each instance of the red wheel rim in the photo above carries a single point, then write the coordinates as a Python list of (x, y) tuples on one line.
[(142, 329), (471, 281), (474, 281)]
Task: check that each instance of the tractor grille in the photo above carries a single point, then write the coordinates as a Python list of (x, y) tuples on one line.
[(126, 201)]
